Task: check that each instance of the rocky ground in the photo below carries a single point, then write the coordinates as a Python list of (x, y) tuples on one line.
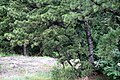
[(21, 65)]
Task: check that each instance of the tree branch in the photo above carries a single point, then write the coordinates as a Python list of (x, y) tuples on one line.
[(115, 12)]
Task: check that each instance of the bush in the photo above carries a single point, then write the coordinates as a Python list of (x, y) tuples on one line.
[(111, 68), (86, 69), (67, 73)]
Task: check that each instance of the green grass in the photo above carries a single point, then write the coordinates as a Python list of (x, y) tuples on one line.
[(37, 76)]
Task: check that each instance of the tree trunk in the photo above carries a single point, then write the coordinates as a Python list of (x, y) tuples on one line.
[(25, 49), (90, 42)]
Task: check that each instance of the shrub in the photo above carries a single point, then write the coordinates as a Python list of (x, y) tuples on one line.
[(67, 73), (111, 68), (86, 69)]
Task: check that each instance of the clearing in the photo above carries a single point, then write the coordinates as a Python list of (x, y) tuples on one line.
[(21, 65)]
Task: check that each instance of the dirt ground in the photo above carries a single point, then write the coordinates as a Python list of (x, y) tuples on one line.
[(21, 65)]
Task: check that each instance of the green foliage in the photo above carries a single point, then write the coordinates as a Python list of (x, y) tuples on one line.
[(111, 70), (86, 69), (7, 54), (111, 67), (56, 28), (63, 74)]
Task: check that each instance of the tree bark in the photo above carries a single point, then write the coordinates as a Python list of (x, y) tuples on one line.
[(25, 50), (90, 42)]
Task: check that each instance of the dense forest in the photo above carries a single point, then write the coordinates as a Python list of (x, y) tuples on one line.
[(88, 30)]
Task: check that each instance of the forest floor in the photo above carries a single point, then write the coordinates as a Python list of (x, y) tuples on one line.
[(21, 65)]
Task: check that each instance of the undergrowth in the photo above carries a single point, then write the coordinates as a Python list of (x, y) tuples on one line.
[(67, 73), (6, 54), (37, 76)]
